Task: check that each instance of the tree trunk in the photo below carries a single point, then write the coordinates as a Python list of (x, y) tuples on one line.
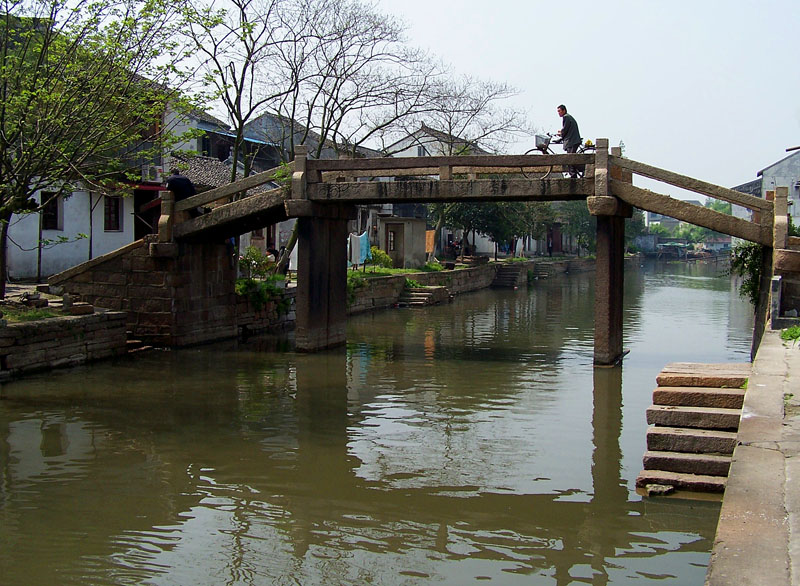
[(4, 223), (436, 238), (282, 266)]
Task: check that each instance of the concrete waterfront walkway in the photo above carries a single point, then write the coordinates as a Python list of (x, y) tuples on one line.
[(758, 535)]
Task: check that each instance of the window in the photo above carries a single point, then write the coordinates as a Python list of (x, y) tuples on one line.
[(52, 211), (422, 151), (112, 214), (390, 244)]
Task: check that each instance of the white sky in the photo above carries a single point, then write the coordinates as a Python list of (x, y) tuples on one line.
[(709, 89)]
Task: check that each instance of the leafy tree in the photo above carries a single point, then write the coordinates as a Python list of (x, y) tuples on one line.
[(659, 230), (82, 93), (634, 226), (579, 223)]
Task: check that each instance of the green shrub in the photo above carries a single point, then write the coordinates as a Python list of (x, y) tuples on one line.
[(254, 264), (792, 333), (260, 292), (355, 281), (746, 262), (432, 267), (412, 284), (380, 258)]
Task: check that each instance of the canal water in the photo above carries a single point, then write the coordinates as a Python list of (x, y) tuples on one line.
[(466, 443)]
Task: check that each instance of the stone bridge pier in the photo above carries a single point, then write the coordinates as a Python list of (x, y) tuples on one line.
[(322, 277), (611, 213)]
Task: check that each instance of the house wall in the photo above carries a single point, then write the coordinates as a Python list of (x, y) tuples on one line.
[(784, 173), (24, 235), (413, 239)]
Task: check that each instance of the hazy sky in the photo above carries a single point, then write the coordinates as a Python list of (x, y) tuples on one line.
[(709, 89)]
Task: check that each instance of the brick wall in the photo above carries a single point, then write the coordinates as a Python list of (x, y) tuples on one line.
[(67, 341), (173, 294)]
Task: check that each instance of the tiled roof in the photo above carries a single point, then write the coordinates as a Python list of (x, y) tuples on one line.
[(208, 172)]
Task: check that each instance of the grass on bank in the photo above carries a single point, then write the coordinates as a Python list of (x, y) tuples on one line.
[(14, 314)]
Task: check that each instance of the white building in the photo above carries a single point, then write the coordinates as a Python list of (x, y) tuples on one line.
[(71, 230), (783, 173)]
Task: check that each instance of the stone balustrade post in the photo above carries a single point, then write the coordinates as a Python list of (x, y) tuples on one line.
[(780, 227), (167, 217), (299, 177)]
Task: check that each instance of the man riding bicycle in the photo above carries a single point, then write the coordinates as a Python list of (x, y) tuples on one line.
[(570, 137)]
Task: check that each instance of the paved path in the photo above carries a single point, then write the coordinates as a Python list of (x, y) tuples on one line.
[(758, 536)]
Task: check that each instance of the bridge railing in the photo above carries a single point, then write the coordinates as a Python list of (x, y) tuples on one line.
[(759, 229), (444, 166), (173, 212)]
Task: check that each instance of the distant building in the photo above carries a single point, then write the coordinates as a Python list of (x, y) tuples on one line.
[(782, 173)]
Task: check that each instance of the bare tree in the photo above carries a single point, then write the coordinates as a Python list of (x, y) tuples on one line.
[(245, 46)]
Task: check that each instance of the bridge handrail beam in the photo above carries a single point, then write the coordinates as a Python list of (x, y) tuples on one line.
[(432, 165), (652, 201), (696, 185)]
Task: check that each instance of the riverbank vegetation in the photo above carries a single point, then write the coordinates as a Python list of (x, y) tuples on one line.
[(746, 263)]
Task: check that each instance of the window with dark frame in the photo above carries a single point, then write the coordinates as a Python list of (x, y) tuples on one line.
[(391, 241), (112, 214), (51, 211)]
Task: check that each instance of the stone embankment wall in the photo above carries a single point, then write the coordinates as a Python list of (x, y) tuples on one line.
[(384, 292), (57, 342), (269, 318)]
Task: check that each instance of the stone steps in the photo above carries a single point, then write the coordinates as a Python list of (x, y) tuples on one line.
[(422, 296), (699, 397), (693, 423), (693, 416), (690, 440), (685, 463), (507, 277)]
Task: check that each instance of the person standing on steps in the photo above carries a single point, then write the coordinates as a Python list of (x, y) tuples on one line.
[(570, 137)]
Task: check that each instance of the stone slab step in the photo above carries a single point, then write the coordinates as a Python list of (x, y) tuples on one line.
[(705, 464), (684, 439), (699, 417), (691, 374), (699, 397), (693, 482)]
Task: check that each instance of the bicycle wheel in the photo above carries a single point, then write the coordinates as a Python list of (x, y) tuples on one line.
[(534, 172)]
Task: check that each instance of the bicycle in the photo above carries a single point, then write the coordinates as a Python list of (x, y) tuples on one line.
[(543, 142)]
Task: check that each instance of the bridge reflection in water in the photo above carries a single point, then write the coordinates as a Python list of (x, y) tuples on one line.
[(467, 441)]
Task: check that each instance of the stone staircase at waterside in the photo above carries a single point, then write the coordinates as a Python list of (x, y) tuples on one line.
[(508, 276), (693, 422), (421, 296)]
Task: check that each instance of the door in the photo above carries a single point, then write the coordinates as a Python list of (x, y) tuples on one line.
[(394, 244)]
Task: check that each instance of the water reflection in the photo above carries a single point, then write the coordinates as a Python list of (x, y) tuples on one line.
[(467, 442)]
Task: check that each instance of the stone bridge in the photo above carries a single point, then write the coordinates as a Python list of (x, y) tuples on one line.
[(188, 257)]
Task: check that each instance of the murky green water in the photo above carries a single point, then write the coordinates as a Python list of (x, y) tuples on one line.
[(460, 444)]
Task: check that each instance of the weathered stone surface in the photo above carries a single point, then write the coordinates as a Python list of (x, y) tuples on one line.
[(686, 463), (688, 374), (693, 482), (787, 260), (676, 439), (698, 417), (659, 489), (699, 397)]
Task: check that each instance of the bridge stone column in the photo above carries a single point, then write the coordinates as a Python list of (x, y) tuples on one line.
[(609, 280), (321, 302)]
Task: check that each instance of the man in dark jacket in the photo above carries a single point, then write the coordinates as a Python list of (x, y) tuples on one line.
[(570, 136), (182, 187)]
